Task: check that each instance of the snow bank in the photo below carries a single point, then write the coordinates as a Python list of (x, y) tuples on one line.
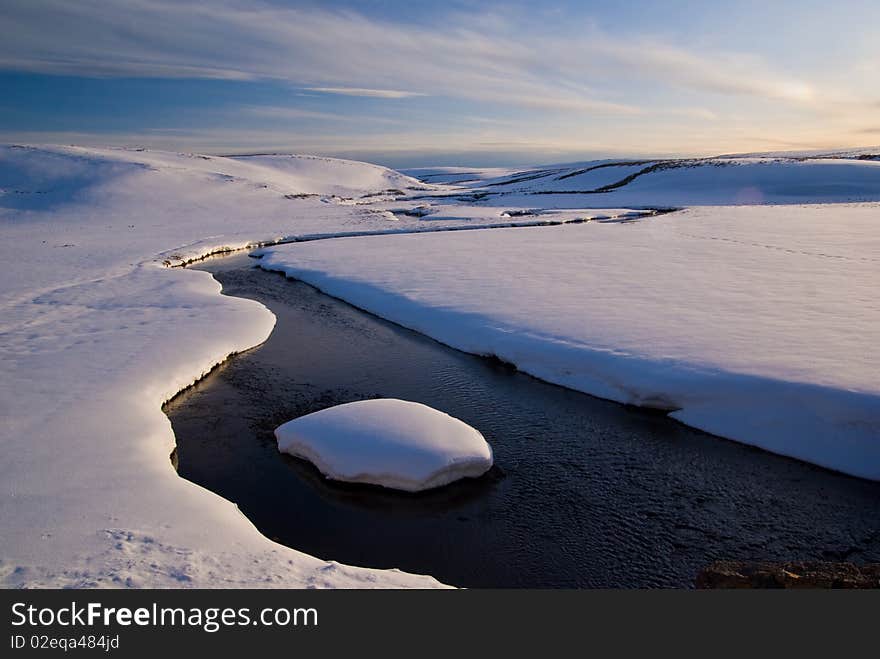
[(456, 215), (759, 324), (393, 443), (95, 335)]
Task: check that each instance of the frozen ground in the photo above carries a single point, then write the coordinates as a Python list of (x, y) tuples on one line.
[(393, 443), (96, 332)]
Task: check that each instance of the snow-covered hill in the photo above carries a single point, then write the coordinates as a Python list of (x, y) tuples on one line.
[(331, 176), (830, 178)]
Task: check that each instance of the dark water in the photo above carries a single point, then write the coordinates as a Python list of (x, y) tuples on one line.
[(587, 493)]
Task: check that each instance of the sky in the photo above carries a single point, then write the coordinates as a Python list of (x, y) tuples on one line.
[(409, 83)]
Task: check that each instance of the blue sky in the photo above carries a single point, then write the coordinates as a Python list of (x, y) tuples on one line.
[(408, 83)]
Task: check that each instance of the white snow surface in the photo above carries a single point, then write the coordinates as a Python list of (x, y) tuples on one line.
[(756, 323), (393, 443), (754, 181), (759, 322), (673, 183), (313, 174), (457, 174), (95, 334)]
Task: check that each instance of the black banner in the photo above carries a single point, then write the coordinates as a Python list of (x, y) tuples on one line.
[(330, 623)]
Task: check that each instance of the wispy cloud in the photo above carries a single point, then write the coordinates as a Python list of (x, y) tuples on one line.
[(288, 113), (359, 91), (703, 114), (553, 84), (284, 113), (481, 57)]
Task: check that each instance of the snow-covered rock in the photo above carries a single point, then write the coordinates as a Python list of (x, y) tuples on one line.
[(393, 443)]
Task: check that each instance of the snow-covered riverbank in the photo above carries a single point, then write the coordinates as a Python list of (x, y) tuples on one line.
[(753, 323), (97, 332)]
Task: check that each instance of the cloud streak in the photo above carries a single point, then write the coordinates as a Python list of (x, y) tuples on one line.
[(476, 57), (359, 91), (292, 114), (560, 84)]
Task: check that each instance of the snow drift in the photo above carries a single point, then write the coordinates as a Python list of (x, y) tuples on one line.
[(393, 443)]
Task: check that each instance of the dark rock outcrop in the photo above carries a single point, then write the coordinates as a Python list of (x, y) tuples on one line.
[(743, 574)]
